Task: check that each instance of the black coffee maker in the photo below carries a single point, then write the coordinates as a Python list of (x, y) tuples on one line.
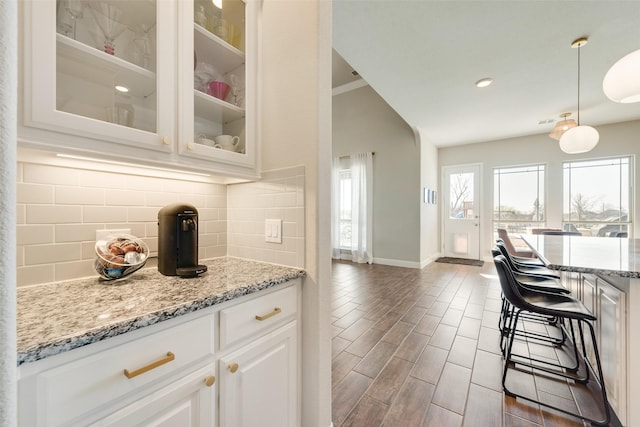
[(178, 241)]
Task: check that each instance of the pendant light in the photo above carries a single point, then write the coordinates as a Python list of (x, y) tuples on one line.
[(622, 81), (562, 126), (579, 139)]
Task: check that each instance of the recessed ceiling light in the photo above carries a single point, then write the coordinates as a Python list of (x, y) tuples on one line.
[(122, 89), (484, 82)]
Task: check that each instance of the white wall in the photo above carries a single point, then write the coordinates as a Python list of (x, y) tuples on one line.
[(615, 140), (295, 73), (429, 213), (363, 121)]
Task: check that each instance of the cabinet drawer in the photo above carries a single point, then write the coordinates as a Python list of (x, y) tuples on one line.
[(81, 387), (251, 317)]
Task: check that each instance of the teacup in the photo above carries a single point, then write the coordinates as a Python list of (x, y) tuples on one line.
[(202, 139), (227, 142)]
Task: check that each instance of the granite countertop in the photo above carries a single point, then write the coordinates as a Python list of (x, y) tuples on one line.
[(609, 256), (57, 317)]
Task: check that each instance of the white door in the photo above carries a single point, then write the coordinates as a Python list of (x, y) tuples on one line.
[(461, 210)]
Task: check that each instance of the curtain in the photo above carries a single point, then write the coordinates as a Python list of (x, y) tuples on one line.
[(362, 207), (335, 209)]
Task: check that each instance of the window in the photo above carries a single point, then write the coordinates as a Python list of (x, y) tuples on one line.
[(461, 197), (518, 198), (597, 196), (345, 209)]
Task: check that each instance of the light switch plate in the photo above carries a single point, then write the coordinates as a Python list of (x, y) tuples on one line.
[(273, 230)]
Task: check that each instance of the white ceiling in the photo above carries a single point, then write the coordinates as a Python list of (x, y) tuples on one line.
[(423, 57)]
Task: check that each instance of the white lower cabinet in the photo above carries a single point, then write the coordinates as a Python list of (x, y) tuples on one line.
[(608, 304), (187, 402), (165, 374), (612, 345), (259, 382)]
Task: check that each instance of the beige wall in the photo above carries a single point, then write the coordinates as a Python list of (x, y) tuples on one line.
[(363, 121), (615, 139)]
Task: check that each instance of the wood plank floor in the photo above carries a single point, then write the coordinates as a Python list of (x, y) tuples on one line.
[(421, 348)]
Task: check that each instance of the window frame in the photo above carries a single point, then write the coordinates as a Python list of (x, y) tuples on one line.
[(506, 223), (631, 202)]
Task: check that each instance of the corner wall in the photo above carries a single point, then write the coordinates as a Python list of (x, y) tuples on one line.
[(295, 106), (363, 121), (429, 213)]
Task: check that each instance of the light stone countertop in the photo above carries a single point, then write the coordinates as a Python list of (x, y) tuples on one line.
[(608, 256), (57, 317)]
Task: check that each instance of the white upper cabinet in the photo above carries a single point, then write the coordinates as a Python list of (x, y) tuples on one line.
[(158, 81)]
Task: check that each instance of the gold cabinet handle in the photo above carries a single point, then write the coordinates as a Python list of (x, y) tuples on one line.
[(166, 140), (168, 358), (233, 367), (275, 311), (209, 380)]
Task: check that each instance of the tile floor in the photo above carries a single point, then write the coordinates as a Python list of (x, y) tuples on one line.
[(421, 348)]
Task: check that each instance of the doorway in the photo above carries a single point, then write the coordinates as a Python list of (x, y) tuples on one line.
[(461, 211)]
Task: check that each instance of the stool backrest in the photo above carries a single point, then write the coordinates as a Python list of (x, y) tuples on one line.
[(502, 233), (508, 282)]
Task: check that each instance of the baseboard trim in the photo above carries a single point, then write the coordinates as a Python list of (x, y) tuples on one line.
[(396, 262), (429, 260)]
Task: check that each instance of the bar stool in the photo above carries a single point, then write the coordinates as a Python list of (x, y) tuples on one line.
[(560, 306), (537, 270), (504, 235), (537, 283), (526, 261)]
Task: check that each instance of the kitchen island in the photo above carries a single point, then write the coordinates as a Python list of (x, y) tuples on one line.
[(604, 273)]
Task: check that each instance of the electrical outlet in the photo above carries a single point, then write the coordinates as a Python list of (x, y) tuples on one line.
[(273, 230), (102, 234)]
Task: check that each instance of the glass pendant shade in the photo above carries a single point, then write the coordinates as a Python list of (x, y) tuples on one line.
[(622, 81), (561, 127), (579, 139)]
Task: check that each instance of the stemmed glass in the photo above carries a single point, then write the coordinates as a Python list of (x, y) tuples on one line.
[(141, 46), (108, 17), (69, 10), (75, 9), (234, 81)]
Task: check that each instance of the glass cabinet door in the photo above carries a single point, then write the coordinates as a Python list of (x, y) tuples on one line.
[(97, 70), (218, 89)]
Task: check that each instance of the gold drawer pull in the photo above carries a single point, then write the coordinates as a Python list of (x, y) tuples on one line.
[(275, 311), (168, 358), (209, 380), (233, 367)]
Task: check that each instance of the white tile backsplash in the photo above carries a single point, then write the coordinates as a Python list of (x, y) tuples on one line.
[(280, 195), (60, 208)]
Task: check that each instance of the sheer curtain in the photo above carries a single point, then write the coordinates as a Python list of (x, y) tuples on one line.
[(360, 204), (362, 207), (335, 208)]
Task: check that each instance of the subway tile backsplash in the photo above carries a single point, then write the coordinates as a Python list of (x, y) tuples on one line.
[(280, 195), (60, 208)]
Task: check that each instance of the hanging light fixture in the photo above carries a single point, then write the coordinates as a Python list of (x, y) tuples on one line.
[(622, 81), (579, 139), (562, 126)]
